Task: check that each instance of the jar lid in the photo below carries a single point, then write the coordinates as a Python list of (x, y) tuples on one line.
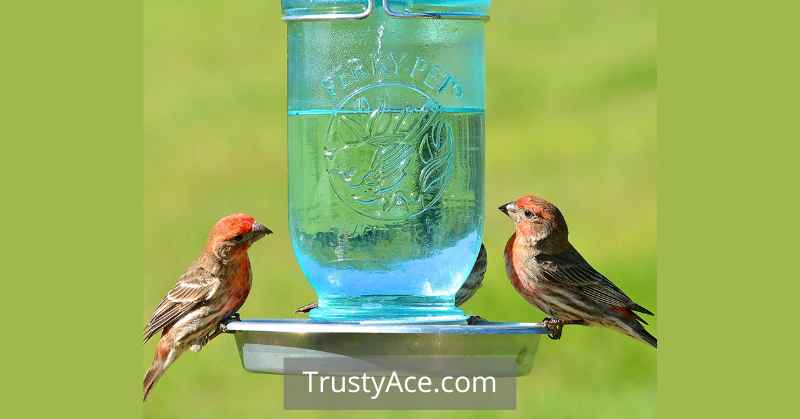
[(305, 10)]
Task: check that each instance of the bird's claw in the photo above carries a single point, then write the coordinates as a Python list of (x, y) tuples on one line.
[(554, 327), (473, 320), (234, 317)]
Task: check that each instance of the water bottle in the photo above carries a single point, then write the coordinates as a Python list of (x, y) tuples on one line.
[(386, 153)]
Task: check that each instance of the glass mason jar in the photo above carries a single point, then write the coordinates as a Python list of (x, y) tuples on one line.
[(386, 153)]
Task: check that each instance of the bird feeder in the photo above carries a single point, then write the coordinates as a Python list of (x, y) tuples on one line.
[(386, 182)]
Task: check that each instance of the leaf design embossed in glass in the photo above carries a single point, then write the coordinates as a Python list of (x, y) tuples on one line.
[(392, 162)]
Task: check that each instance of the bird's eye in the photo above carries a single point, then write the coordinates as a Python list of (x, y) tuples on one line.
[(239, 237), (529, 214)]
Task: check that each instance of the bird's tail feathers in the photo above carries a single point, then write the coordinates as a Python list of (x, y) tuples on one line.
[(164, 356), (633, 328), (306, 308), (639, 318), (640, 309), (153, 374)]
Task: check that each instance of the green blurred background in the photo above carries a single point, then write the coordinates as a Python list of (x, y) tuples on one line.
[(571, 115)]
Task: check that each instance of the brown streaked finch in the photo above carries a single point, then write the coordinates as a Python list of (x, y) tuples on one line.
[(550, 273), (467, 290), (211, 291)]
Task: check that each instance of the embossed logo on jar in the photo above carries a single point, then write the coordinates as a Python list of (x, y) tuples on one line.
[(389, 151)]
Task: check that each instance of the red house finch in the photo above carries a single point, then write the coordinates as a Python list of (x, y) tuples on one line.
[(549, 273), (211, 290), (467, 290)]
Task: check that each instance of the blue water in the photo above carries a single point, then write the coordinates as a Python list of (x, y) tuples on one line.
[(386, 209)]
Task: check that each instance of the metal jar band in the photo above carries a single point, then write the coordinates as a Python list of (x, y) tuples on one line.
[(388, 10)]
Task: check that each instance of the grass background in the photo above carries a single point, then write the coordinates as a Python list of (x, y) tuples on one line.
[(571, 115)]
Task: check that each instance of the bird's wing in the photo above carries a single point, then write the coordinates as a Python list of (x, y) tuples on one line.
[(570, 269), (474, 280), (194, 287)]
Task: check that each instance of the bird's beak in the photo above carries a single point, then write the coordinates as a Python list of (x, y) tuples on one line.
[(508, 207), (258, 231)]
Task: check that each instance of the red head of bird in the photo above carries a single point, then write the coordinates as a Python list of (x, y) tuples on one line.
[(537, 221), (234, 234)]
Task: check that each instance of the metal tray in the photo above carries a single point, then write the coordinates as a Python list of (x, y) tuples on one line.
[(264, 345)]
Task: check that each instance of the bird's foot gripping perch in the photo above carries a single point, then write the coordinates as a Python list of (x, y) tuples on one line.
[(233, 317), (222, 327), (473, 320), (556, 326)]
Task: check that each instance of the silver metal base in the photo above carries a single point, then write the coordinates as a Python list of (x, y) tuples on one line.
[(265, 344)]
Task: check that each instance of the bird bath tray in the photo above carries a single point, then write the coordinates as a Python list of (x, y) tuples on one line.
[(265, 345)]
